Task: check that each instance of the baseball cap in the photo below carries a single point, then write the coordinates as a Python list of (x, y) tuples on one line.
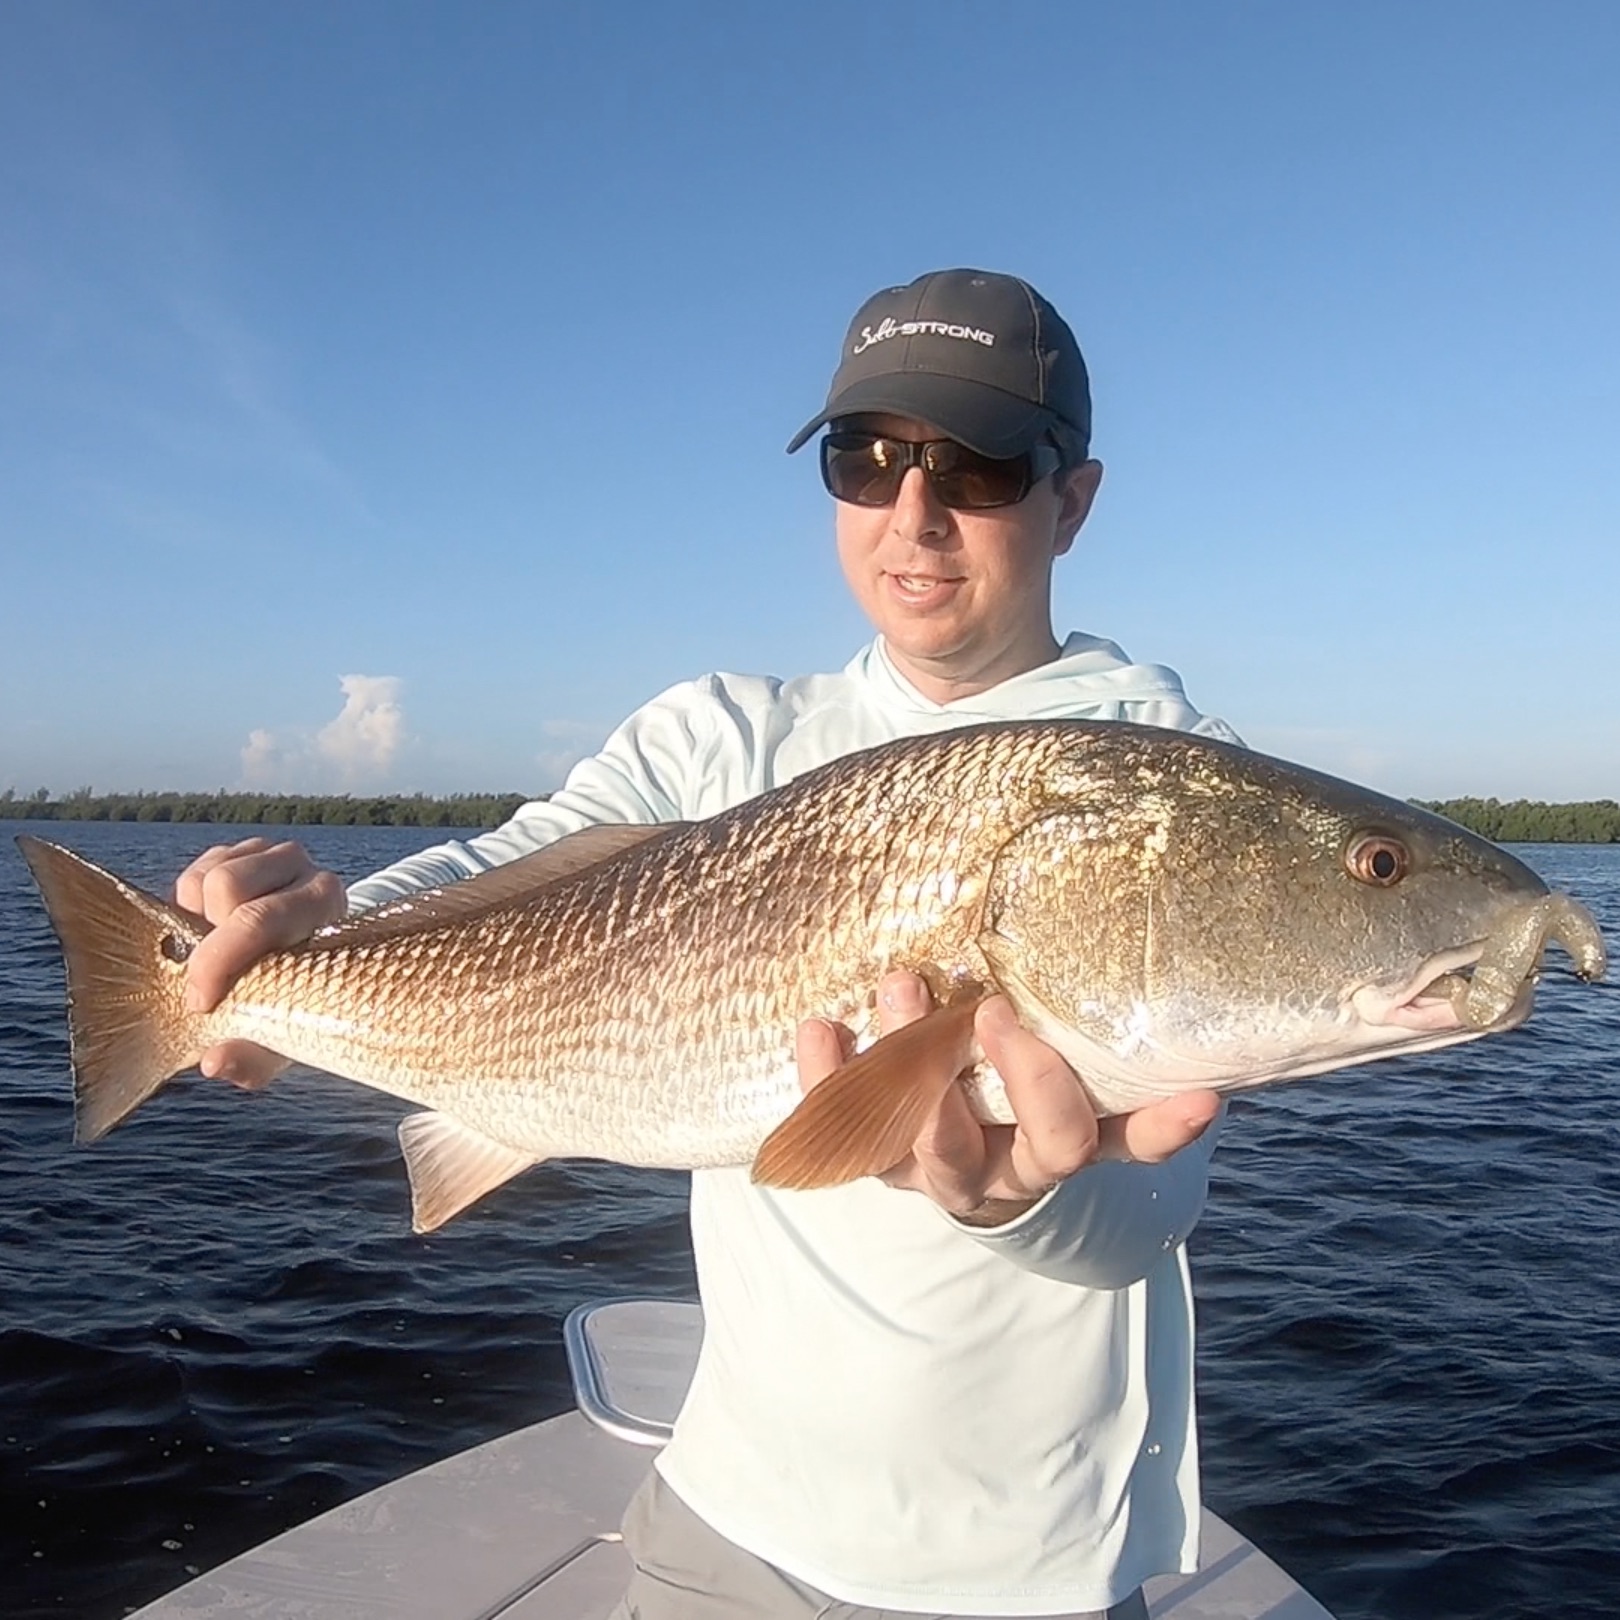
[(982, 356)]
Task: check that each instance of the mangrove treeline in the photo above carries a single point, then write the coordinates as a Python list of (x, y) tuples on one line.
[(1528, 821), (1518, 821), (267, 809)]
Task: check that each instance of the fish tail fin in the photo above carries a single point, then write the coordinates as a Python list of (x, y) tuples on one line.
[(126, 953)]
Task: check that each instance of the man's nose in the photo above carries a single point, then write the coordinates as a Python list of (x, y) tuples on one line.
[(919, 514)]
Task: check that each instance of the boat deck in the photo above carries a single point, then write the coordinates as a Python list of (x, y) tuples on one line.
[(526, 1527)]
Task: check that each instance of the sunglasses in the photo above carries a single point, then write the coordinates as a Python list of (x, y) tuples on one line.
[(867, 469)]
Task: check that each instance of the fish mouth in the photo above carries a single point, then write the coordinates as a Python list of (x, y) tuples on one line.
[(1490, 983), (1430, 1001), (1441, 999)]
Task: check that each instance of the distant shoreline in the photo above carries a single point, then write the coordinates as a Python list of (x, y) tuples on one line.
[(1530, 821), (270, 809), (1516, 821)]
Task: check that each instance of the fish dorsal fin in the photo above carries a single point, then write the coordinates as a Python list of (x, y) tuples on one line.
[(512, 880), (451, 1166), (863, 1118), (566, 858)]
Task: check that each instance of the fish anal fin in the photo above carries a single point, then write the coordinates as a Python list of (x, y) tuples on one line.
[(863, 1118), (451, 1166)]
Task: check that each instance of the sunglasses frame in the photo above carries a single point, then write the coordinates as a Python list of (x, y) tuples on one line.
[(1038, 462)]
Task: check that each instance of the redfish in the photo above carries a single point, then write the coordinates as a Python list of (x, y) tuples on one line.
[(1167, 911)]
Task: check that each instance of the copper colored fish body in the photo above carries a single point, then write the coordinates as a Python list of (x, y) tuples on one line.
[(1167, 911)]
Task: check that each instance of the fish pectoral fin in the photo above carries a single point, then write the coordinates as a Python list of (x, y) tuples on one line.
[(451, 1166), (864, 1117)]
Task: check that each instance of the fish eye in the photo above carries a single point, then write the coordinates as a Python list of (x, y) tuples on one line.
[(1378, 859), (175, 948)]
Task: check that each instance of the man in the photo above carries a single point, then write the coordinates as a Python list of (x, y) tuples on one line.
[(965, 1388)]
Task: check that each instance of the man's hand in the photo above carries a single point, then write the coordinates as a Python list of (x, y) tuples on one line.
[(260, 897), (988, 1174)]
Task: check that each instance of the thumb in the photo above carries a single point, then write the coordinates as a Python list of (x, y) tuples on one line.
[(243, 1063)]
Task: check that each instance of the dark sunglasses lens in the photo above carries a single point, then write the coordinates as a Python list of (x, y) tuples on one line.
[(967, 481), (862, 469), (867, 470)]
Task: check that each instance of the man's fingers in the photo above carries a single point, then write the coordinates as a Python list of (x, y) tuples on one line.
[(820, 1047), (1154, 1133), (948, 1157), (1057, 1126), (902, 999), (243, 1063), (252, 929), (224, 954), (188, 887), (249, 874)]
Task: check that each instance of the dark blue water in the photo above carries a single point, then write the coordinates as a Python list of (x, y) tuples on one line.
[(216, 1322)]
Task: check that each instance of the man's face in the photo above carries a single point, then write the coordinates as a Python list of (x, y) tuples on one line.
[(963, 599)]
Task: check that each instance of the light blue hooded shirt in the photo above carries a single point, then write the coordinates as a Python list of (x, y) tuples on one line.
[(902, 1411)]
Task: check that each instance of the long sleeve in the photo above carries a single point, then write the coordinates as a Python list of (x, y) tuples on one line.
[(1109, 1225)]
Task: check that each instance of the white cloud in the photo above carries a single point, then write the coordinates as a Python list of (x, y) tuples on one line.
[(366, 735), (261, 758), (354, 750)]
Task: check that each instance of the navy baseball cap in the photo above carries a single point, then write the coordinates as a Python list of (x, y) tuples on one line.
[(981, 356)]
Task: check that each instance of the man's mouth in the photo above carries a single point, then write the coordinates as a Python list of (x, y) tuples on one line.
[(921, 584)]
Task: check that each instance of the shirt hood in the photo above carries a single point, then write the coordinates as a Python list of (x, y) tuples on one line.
[(1089, 674)]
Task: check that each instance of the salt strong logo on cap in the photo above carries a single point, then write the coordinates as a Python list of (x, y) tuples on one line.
[(980, 356)]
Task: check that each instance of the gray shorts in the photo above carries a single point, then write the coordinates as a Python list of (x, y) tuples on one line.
[(686, 1571)]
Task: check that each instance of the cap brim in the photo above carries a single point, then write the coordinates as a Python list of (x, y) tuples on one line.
[(983, 418)]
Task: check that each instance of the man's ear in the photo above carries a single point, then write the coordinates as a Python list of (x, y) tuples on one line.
[(1077, 489)]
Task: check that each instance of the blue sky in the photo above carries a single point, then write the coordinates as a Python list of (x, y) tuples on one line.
[(393, 396)]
